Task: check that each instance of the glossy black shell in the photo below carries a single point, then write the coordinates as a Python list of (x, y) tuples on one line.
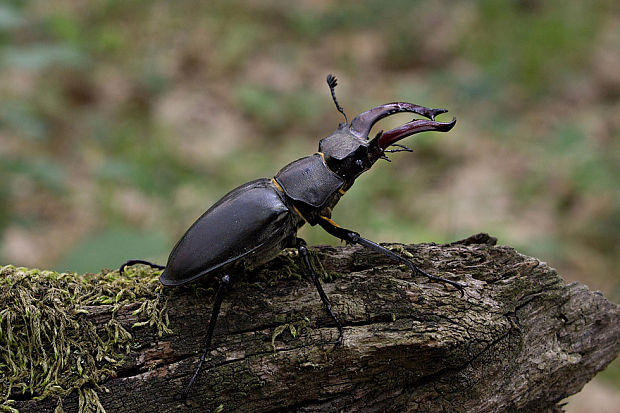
[(252, 221), (309, 180)]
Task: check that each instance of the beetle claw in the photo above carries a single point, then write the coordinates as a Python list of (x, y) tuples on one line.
[(338, 342), (455, 284)]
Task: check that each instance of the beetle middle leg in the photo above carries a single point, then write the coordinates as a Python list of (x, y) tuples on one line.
[(303, 252), (355, 238), (219, 296)]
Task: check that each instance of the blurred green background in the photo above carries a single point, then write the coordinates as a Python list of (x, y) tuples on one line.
[(122, 121)]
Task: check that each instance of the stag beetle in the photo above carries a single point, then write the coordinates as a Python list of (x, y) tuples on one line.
[(254, 222)]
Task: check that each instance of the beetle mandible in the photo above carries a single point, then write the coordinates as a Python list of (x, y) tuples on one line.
[(254, 222)]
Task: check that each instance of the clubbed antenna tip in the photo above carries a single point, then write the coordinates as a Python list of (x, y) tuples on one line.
[(332, 82)]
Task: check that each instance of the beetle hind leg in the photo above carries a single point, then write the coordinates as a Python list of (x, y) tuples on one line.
[(303, 252), (219, 296)]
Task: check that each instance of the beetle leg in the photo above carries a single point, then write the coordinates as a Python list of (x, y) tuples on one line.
[(219, 296), (133, 262), (303, 252), (355, 238), (402, 148)]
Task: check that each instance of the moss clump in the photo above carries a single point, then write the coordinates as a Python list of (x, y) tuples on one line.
[(48, 346), (288, 265), (284, 266), (297, 324)]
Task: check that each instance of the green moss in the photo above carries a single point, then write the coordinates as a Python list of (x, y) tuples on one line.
[(283, 267), (50, 347), (297, 324), (287, 265)]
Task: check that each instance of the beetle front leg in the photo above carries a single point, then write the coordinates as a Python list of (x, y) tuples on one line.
[(355, 238), (303, 252)]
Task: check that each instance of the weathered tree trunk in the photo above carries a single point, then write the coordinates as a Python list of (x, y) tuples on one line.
[(519, 339)]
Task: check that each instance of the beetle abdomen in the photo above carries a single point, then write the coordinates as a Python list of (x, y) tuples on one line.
[(250, 219), (309, 180)]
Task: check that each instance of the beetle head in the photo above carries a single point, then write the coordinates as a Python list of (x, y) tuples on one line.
[(345, 153), (349, 152)]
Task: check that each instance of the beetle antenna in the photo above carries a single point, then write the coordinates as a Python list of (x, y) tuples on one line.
[(332, 82)]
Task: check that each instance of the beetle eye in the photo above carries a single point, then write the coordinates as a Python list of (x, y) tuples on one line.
[(359, 164)]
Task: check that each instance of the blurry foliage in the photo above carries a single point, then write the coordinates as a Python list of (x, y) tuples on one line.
[(532, 43), (121, 122), (275, 113), (102, 248)]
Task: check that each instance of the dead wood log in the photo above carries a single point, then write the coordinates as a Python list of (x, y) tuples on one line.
[(519, 339)]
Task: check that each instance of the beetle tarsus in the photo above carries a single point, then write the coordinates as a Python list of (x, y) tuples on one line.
[(414, 268), (133, 262), (303, 252)]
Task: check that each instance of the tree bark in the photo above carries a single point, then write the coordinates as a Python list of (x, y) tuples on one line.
[(519, 339)]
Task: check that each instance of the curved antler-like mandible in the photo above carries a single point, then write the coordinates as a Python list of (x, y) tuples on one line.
[(392, 136), (361, 125)]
